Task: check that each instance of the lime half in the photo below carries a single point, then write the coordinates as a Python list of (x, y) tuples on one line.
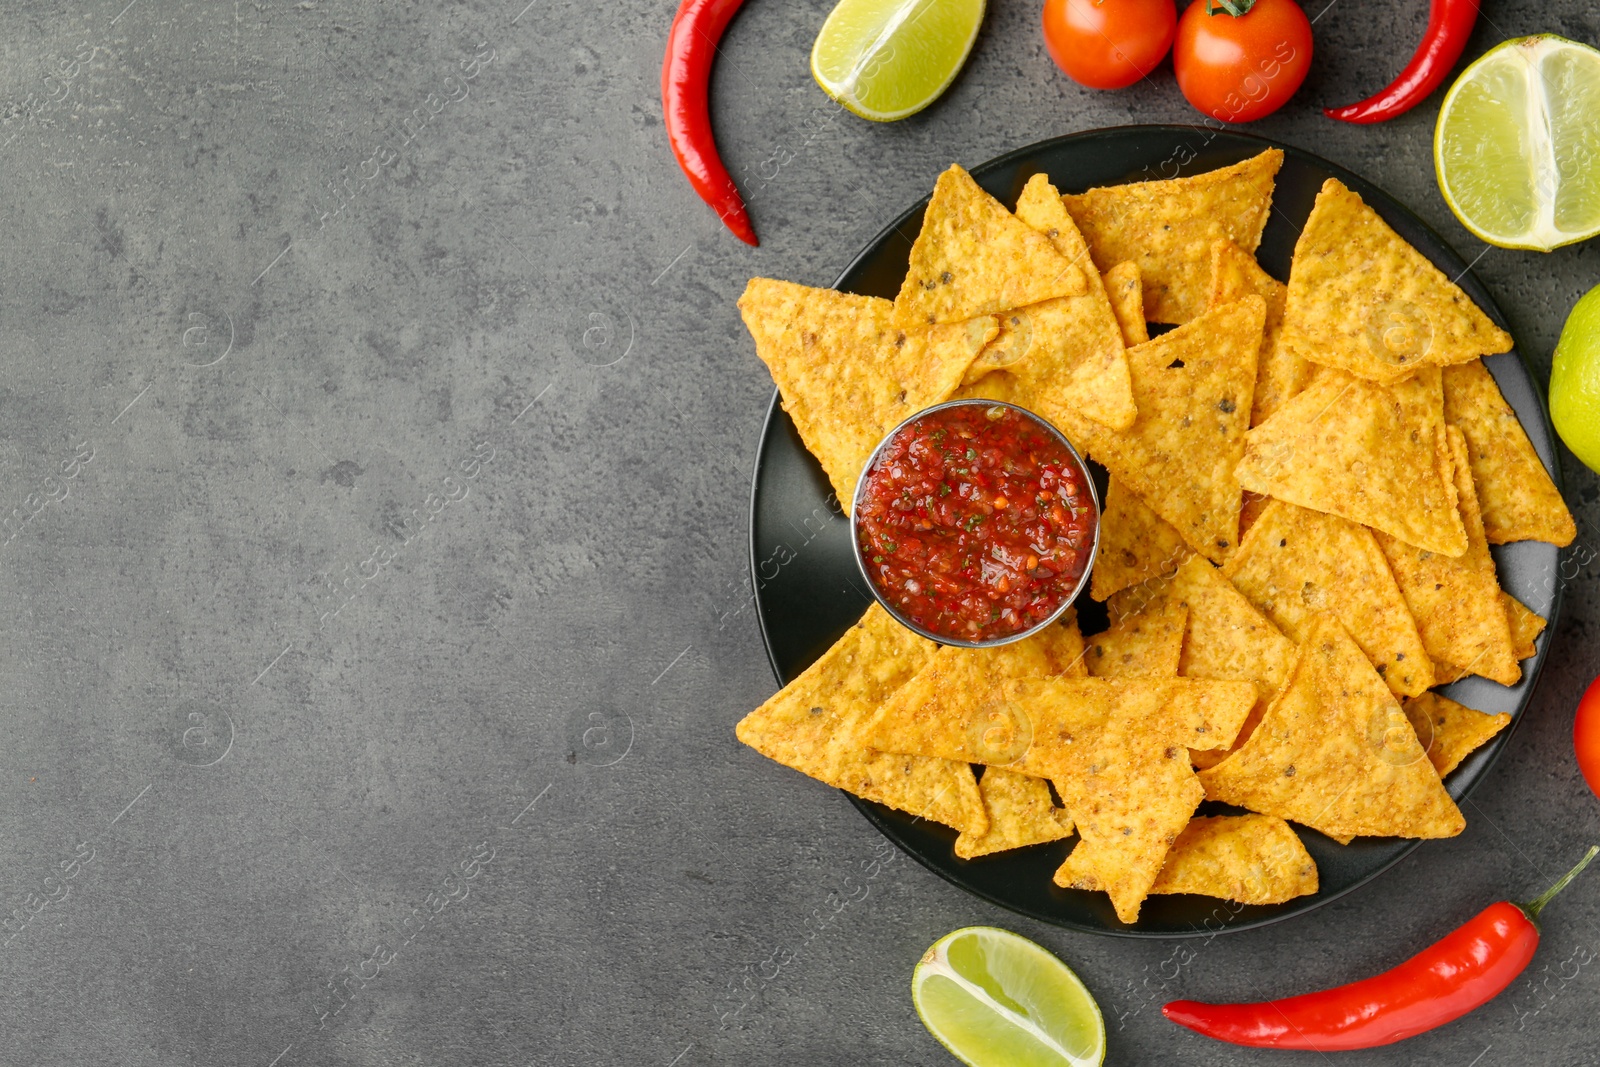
[(886, 59), (998, 1000), (1517, 146)]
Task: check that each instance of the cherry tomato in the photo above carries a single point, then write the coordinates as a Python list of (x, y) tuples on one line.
[(1108, 44), (1586, 736), (1239, 68)]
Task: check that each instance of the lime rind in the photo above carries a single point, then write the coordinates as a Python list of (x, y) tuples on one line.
[(1516, 149), (994, 998), (885, 60)]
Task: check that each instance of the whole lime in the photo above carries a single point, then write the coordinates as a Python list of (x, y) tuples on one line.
[(1575, 381)]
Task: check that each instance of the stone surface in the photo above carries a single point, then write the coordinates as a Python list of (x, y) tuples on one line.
[(379, 427)]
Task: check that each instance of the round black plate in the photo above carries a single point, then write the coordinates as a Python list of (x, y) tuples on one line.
[(808, 590)]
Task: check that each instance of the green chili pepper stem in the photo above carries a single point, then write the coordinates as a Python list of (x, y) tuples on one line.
[(1532, 909)]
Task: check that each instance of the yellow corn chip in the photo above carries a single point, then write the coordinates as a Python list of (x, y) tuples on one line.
[(1449, 731), (1456, 602), (1020, 811), (846, 375), (1363, 300), (1126, 292), (1252, 859), (1336, 753), (1375, 454), (1297, 564), (1227, 638), (1192, 387), (1250, 509), (1167, 227), (1062, 646), (1065, 353), (1147, 644), (973, 257), (1519, 501), (1031, 724), (1525, 626), (1137, 546), (811, 725), (1280, 374)]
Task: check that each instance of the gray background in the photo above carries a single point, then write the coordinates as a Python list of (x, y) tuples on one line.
[(370, 688)]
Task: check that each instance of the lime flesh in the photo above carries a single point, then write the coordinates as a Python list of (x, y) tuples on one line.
[(1517, 145), (886, 59), (996, 999), (1575, 381)]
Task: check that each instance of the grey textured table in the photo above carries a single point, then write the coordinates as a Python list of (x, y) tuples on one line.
[(376, 429)]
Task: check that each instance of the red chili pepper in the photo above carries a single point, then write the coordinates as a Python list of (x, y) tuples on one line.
[(685, 79), (1450, 23), (1442, 982)]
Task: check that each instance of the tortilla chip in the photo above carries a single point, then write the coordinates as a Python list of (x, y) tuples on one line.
[(1021, 813), (1519, 501), (1363, 300), (1227, 638), (1065, 353), (1375, 454), (1126, 293), (1252, 859), (847, 376), (811, 724), (1280, 374), (1449, 731), (1192, 387), (1525, 626), (1456, 602), (1297, 564), (1031, 724), (1167, 227), (1137, 546), (1336, 753), (1148, 644), (973, 257), (1250, 508)]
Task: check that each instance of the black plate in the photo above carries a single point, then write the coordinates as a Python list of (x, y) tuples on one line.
[(808, 590)]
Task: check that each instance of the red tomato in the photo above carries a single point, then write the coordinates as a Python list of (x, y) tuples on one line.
[(1239, 68), (1108, 44), (1586, 736)]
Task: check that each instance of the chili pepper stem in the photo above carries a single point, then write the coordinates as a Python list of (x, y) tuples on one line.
[(1533, 908)]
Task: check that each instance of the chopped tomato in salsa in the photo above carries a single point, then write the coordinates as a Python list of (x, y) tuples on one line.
[(975, 522)]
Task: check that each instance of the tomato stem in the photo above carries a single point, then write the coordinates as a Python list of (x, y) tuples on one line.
[(1236, 8), (1544, 898)]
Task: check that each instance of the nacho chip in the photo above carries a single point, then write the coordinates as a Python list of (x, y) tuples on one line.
[(1375, 454), (1227, 638), (1136, 545), (1192, 387), (973, 257), (811, 723), (1021, 813), (1297, 564), (847, 376), (1336, 753), (1065, 353), (1363, 300), (1525, 626), (1456, 602), (1449, 731), (1126, 293), (1147, 644), (1519, 501), (1167, 227), (1252, 859), (1250, 509), (1280, 374)]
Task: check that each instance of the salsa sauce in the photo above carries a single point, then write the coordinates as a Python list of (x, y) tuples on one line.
[(975, 522)]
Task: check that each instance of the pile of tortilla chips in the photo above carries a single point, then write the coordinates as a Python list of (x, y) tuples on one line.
[(1305, 479)]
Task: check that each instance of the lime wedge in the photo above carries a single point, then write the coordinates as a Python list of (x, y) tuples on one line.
[(1517, 146), (886, 59), (1575, 381), (995, 999)]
